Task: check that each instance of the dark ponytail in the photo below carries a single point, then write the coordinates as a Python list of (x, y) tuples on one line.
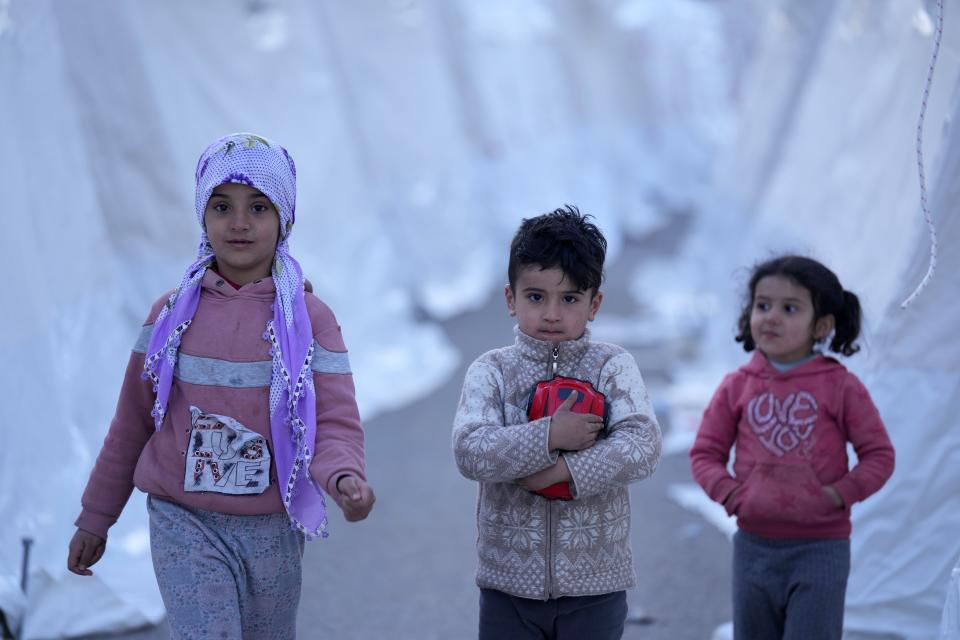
[(847, 325)]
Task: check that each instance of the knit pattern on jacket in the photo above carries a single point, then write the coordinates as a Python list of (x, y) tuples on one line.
[(529, 546)]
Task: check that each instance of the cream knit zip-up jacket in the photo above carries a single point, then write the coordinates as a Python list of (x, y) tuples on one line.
[(529, 546)]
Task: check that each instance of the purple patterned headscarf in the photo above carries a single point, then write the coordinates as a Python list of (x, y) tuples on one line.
[(254, 161)]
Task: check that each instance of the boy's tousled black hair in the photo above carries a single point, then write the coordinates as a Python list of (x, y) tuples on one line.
[(563, 238), (826, 293)]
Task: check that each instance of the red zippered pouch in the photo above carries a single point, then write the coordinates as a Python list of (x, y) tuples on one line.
[(544, 399)]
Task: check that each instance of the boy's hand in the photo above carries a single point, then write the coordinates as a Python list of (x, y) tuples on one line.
[(85, 550), (542, 479), (571, 431), (356, 498)]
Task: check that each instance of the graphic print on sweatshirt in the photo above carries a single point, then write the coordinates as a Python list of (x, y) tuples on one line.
[(782, 424), (225, 457)]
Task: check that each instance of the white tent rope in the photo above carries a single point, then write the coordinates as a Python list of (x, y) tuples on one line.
[(923, 184)]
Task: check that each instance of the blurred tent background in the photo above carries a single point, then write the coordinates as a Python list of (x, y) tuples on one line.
[(424, 130)]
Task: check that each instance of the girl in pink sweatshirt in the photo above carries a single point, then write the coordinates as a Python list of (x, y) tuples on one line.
[(236, 415), (791, 411)]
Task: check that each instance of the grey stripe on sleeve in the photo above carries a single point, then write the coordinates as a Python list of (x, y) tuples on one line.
[(329, 361), (143, 340)]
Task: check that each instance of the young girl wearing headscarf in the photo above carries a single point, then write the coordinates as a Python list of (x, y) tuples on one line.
[(237, 414)]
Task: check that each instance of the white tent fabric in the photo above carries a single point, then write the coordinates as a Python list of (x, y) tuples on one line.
[(423, 131), (420, 142), (950, 622), (905, 541)]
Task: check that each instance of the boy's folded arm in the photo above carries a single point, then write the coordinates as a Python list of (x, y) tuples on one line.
[(111, 480), (632, 449), (485, 448), (630, 453)]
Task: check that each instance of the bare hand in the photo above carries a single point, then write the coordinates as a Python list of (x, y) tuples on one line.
[(729, 503), (834, 496), (356, 498), (571, 431), (542, 479), (85, 550)]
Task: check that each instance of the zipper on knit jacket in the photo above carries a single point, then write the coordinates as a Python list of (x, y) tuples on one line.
[(548, 587)]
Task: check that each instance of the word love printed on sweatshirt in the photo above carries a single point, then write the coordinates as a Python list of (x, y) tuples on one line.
[(781, 425), (225, 456)]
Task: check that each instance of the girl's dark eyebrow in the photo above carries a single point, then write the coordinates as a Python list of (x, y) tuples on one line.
[(221, 194), (784, 299)]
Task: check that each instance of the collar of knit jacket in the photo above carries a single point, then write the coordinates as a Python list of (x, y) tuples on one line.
[(569, 351)]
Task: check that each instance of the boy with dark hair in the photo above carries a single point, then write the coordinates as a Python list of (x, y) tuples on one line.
[(554, 511)]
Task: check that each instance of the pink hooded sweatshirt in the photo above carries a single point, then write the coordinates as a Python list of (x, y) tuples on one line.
[(223, 368), (791, 431)]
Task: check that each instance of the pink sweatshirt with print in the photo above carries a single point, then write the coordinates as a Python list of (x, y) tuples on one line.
[(223, 368), (791, 431)]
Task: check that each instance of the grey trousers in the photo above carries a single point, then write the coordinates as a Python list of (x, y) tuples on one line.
[(225, 576), (788, 589), (506, 617)]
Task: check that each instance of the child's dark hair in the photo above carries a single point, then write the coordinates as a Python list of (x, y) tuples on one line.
[(562, 238), (826, 293)]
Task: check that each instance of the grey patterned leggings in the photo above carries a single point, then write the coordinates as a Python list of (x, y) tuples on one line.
[(225, 576)]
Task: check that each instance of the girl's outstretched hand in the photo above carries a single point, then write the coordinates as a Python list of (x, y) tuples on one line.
[(356, 498), (85, 550)]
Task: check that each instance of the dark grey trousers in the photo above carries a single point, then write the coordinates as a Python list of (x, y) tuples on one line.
[(506, 617), (788, 589)]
